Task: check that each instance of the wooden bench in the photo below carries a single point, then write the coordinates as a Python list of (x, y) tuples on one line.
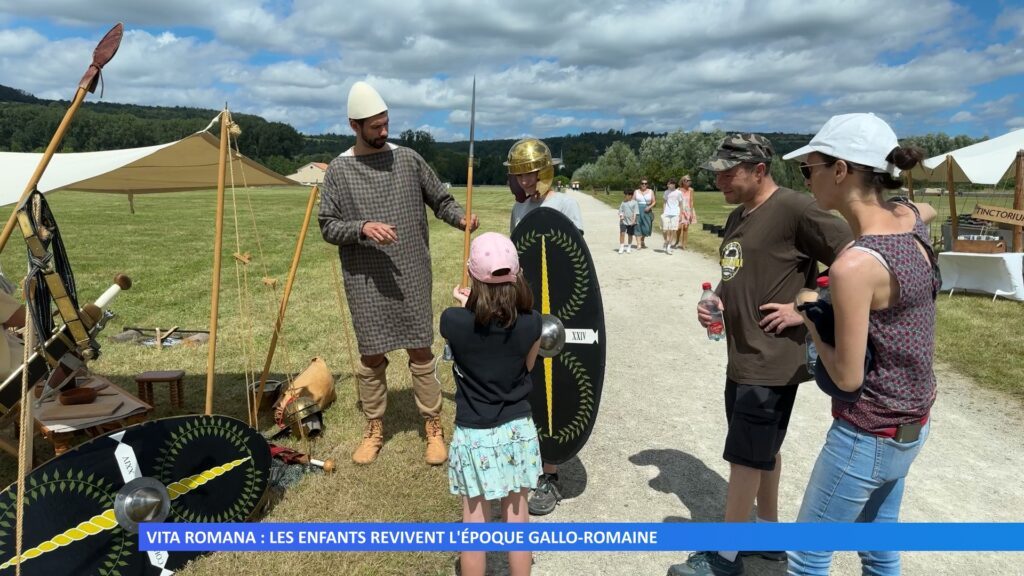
[(172, 377)]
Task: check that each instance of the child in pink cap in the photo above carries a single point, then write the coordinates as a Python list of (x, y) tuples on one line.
[(494, 338)]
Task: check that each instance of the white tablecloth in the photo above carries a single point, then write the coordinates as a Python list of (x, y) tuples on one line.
[(999, 274)]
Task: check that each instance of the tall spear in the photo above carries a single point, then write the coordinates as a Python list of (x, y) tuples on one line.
[(104, 51), (469, 192)]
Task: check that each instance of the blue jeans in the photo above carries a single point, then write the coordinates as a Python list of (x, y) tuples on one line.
[(858, 477)]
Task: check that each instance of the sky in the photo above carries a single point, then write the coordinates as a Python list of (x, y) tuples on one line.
[(542, 68)]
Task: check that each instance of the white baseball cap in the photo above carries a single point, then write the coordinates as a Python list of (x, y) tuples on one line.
[(364, 101), (862, 138)]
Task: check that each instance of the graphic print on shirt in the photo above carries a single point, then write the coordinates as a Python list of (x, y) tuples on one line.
[(732, 260)]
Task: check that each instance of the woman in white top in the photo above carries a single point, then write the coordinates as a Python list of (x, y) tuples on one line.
[(646, 201)]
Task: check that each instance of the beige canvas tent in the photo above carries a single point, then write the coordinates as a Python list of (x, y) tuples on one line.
[(187, 164)]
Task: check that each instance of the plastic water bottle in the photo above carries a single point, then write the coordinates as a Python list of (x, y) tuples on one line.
[(716, 329), (812, 350)]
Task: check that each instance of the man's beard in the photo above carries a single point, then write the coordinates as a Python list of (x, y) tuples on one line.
[(375, 143)]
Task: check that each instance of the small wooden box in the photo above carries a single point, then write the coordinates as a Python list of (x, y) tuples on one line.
[(979, 246)]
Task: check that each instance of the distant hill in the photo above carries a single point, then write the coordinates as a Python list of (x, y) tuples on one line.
[(27, 124)]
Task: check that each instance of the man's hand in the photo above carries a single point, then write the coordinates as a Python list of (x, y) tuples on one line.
[(704, 315), (380, 232), (461, 294), (473, 219), (780, 317)]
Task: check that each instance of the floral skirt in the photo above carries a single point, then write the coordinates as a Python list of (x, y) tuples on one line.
[(494, 462)]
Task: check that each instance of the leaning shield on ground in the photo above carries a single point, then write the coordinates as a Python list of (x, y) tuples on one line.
[(82, 508), (566, 387)]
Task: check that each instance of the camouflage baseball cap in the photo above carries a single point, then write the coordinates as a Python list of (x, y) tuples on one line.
[(738, 148)]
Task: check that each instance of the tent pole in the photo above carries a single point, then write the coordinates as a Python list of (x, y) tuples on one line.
[(954, 220), (910, 185), (284, 304), (131, 203), (218, 238), (1018, 199)]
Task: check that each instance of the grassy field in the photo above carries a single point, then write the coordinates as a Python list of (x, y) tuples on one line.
[(167, 249), (974, 335)]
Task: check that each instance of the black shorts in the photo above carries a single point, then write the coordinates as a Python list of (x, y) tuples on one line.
[(758, 417), (626, 228)]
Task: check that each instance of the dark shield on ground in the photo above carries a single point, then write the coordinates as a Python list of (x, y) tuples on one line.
[(566, 388), (80, 486)]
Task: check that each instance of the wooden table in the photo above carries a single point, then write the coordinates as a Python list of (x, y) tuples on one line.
[(61, 432)]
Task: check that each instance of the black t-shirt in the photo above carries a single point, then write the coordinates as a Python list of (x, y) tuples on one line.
[(492, 384)]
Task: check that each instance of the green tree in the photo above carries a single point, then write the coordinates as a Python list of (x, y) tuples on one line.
[(421, 141), (618, 167)]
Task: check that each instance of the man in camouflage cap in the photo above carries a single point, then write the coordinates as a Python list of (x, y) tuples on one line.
[(739, 148), (773, 242)]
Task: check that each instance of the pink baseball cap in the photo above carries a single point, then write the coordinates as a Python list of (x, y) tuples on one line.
[(493, 259)]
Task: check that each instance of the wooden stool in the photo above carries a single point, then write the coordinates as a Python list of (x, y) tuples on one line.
[(173, 379)]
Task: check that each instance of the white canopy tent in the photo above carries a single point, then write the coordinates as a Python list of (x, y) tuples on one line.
[(989, 162), (187, 164)]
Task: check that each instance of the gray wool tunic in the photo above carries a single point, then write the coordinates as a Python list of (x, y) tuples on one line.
[(388, 287)]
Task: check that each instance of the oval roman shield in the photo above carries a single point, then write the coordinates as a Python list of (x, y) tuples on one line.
[(79, 487), (566, 388)]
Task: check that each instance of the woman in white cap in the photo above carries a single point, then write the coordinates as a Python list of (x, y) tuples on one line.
[(882, 289)]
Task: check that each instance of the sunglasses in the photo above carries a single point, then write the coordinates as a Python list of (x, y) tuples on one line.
[(805, 168)]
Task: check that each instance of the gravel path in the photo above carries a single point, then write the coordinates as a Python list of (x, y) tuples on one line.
[(655, 454)]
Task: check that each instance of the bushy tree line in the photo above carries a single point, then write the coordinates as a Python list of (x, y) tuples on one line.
[(671, 156), (610, 160)]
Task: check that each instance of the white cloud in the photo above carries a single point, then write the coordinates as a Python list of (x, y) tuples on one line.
[(551, 68), (1015, 122)]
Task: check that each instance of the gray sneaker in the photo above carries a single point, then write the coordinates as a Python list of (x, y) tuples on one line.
[(544, 498), (707, 564), (773, 556)]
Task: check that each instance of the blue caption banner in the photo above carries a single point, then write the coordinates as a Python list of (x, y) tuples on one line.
[(600, 537)]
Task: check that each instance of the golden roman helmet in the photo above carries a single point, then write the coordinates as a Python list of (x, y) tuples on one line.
[(531, 155)]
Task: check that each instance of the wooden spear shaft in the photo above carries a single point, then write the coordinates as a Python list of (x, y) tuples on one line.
[(105, 50), (467, 235), (284, 304), (58, 137), (218, 240), (469, 192)]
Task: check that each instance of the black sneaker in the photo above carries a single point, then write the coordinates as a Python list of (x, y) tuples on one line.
[(545, 497), (707, 564), (773, 556)]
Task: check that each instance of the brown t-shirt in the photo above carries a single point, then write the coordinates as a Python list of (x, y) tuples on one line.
[(766, 257)]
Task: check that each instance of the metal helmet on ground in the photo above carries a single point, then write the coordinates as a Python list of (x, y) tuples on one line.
[(531, 155), (304, 417)]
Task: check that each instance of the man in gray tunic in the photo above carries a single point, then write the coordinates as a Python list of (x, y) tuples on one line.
[(371, 207)]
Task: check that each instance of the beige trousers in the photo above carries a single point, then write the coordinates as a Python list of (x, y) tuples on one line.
[(373, 389)]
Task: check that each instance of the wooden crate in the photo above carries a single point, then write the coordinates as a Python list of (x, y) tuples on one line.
[(979, 246)]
